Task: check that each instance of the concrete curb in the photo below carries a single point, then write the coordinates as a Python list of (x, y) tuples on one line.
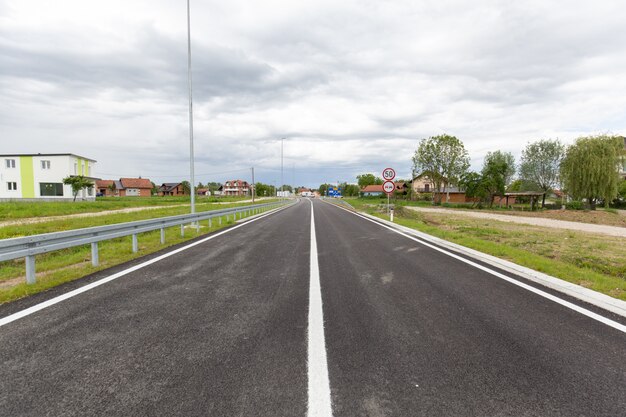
[(581, 293)]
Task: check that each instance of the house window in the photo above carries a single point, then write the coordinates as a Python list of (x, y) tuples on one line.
[(75, 168), (427, 187), (90, 191), (12, 186), (51, 189), (10, 163), (45, 164)]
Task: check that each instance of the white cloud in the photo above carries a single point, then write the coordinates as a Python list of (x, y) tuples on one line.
[(354, 85)]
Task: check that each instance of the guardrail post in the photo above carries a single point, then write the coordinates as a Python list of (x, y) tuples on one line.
[(182, 230), (220, 222), (30, 269), (162, 236), (135, 244), (210, 225), (95, 261)]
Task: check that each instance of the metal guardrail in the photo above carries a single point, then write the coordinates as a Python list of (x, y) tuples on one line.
[(29, 246)]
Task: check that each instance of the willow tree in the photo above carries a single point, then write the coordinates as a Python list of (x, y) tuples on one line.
[(444, 158), (540, 165), (590, 169)]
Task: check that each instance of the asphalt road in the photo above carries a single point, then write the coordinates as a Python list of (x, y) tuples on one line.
[(223, 328)]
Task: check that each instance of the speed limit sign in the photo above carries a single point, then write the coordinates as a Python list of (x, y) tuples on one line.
[(389, 174)]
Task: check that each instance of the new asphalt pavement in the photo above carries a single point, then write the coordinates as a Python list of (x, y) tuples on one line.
[(226, 328)]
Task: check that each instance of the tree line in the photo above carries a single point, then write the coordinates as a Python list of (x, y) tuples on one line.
[(588, 170)]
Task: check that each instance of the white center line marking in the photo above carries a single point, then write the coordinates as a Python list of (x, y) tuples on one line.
[(319, 404)]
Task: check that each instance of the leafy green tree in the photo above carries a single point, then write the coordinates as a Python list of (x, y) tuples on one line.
[(517, 186), (540, 165), (621, 191), (590, 168), (444, 158), (497, 173), (186, 187), (323, 188), (213, 186), (154, 190), (77, 183), (368, 179), (474, 186), (349, 190)]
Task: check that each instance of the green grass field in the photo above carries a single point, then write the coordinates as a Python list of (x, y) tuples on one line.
[(593, 261), (20, 210)]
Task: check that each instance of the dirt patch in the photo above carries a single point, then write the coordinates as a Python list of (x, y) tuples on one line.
[(580, 216), (540, 221)]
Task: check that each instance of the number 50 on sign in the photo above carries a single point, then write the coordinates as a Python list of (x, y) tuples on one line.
[(389, 174)]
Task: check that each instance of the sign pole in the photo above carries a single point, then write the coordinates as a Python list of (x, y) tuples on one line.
[(388, 187)]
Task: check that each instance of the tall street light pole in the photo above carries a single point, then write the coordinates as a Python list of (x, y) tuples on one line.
[(282, 182), (253, 185), (191, 161)]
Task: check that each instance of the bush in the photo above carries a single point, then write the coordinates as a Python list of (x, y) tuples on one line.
[(424, 197), (553, 206), (575, 205)]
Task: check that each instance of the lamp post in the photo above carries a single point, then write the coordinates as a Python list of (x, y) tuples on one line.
[(282, 182), (191, 162)]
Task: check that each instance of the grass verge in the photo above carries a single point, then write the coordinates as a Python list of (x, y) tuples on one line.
[(593, 261), (20, 209)]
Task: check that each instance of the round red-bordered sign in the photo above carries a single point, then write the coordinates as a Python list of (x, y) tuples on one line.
[(389, 174), (388, 187)]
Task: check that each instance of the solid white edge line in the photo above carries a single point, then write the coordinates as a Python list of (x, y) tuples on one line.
[(530, 288), (73, 293), (319, 401)]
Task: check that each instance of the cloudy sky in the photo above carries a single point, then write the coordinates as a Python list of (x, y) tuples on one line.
[(351, 85)]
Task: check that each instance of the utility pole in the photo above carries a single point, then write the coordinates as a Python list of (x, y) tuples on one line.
[(253, 186), (282, 182), (193, 179)]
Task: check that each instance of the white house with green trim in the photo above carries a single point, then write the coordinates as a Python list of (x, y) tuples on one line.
[(40, 176)]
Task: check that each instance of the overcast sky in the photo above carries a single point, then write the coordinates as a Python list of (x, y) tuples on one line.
[(352, 85)]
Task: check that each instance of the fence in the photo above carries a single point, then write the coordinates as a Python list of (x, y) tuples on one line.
[(29, 246)]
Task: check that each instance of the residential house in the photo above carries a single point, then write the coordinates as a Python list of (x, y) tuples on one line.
[(422, 184), (108, 188), (401, 188), (203, 191), (372, 190), (40, 176), (171, 189), (236, 187), (125, 187)]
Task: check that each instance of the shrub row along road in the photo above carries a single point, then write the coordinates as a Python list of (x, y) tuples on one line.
[(233, 327)]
